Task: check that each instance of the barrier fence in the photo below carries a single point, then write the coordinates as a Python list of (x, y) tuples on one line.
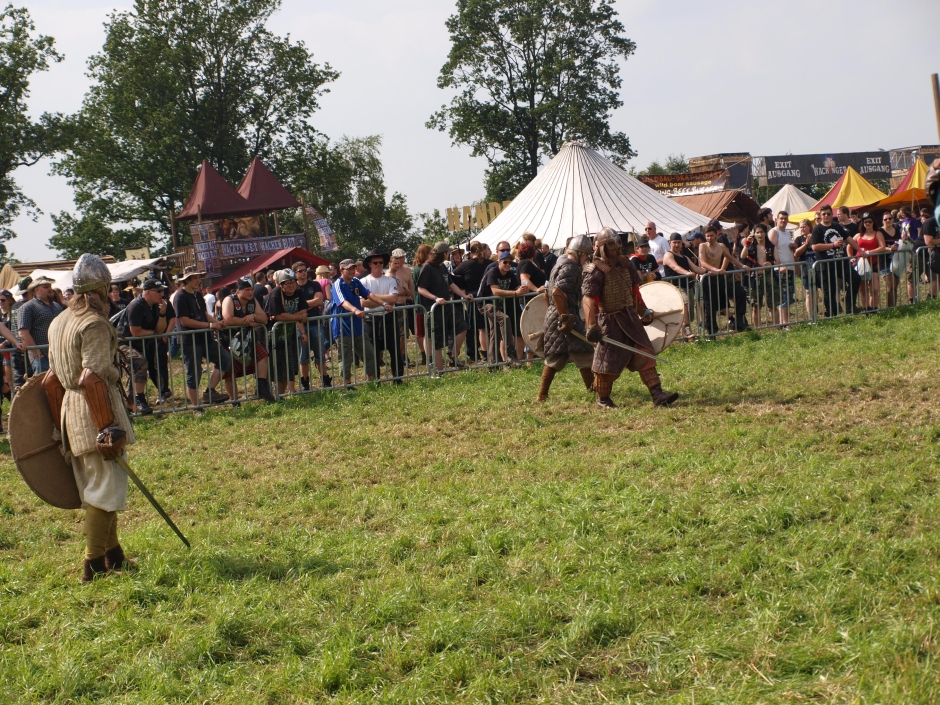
[(185, 367)]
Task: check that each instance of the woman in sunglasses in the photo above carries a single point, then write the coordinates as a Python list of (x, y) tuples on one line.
[(10, 341)]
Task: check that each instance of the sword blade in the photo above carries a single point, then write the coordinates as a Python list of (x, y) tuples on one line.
[(617, 343), (156, 505)]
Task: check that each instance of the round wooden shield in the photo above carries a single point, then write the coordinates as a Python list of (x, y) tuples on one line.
[(666, 301), (36, 454), (532, 323)]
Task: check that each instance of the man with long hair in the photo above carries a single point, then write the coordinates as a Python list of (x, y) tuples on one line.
[(82, 388)]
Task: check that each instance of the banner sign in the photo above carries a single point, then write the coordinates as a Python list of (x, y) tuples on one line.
[(206, 247), (239, 249), (137, 253), (474, 217), (327, 236), (823, 168), (687, 184)]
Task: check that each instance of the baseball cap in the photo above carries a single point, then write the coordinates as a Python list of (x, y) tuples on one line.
[(643, 241), (243, 283), (154, 285), (441, 248), (505, 255), (347, 263), (675, 237), (696, 236), (398, 252)]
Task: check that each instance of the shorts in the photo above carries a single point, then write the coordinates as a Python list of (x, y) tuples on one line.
[(764, 288), (239, 370), (313, 343), (448, 320), (286, 359), (138, 363), (581, 360)]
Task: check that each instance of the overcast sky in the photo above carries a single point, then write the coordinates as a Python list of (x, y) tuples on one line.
[(754, 76)]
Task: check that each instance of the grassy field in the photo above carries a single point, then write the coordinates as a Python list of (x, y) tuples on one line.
[(774, 538)]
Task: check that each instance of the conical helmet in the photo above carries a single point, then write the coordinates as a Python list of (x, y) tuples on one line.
[(581, 244), (90, 273)]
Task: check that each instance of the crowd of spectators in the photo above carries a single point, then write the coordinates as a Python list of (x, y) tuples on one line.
[(362, 313)]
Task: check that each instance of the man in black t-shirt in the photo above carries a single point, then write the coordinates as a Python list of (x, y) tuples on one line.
[(311, 291), (435, 287), (287, 306), (151, 314), (644, 261), (260, 288), (832, 267), (191, 310), (503, 315), (845, 220)]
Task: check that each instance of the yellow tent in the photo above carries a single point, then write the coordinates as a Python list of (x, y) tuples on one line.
[(851, 190), (909, 192)]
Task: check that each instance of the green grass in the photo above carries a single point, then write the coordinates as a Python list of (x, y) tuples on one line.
[(774, 538)]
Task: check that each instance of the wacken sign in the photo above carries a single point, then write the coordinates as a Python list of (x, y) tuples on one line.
[(821, 168), (475, 217)]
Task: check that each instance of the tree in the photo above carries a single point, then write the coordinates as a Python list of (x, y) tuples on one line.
[(345, 182), (433, 229), (22, 142), (178, 81), (675, 164), (75, 236), (531, 75)]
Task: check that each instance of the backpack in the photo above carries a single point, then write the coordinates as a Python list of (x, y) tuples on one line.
[(119, 321)]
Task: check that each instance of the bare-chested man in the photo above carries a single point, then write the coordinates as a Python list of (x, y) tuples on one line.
[(714, 256)]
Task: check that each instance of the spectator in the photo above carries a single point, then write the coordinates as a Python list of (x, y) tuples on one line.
[(845, 220), (931, 238), (909, 224), (334, 271), (645, 262), (270, 284), (892, 238), (870, 244), (715, 257), (470, 274), (152, 314), (421, 256), (312, 293), (683, 273), (323, 279), (690, 251), (18, 358), (530, 275), (658, 245), (384, 327), (435, 287), (530, 239), (406, 297), (758, 252), (766, 216), (116, 300), (828, 243), (68, 294), (211, 302), (34, 318), (6, 315), (781, 239), (287, 306), (260, 289), (348, 295), (456, 258), (501, 281), (361, 269), (192, 315), (804, 253), (242, 313), (550, 258)]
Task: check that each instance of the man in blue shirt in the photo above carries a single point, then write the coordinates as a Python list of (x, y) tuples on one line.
[(348, 294)]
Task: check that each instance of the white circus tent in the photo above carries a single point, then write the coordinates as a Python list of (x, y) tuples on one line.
[(579, 192), (791, 200)]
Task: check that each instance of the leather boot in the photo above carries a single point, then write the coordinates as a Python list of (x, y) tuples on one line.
[(264, 391), (115, 560), (548, 374), (588, 376), (93, 568), (603, 384), (650, 378)]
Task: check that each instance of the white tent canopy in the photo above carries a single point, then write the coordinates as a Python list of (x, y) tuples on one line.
[(120, 271), (580, 192), (791, 200)]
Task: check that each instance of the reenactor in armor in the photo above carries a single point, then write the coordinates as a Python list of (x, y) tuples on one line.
[(611, 291), (564, 315)]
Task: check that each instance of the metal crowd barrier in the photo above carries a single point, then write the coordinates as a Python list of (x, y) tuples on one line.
[(493, 320), (382, 353), (926, 282)]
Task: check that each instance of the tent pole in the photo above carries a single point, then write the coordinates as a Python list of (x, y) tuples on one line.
[(172, 227), (936, 99), (264, 217), (277, 230)]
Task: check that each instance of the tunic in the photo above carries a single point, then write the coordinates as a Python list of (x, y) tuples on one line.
[(622, 325), (566, 277), (77, 342)]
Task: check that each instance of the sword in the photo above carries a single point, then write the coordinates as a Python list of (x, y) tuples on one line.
[(617, 343), (156, 505)]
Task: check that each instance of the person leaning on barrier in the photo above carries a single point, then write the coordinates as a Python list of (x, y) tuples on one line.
[(384, 327), (243, 316), (348, 294), (715, 257), (286, 306), (192, 316), (503, 282), (683, 273), (436, 287), (34, 319), (86, 405), (152, 314), (835, 273), (312, 293), (406, 297), (564, 315)]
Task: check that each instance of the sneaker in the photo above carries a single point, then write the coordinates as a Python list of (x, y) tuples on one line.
[(210, 396)]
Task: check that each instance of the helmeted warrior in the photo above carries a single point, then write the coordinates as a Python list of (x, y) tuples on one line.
[(86, 402), (564, 315), (612, 298)]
